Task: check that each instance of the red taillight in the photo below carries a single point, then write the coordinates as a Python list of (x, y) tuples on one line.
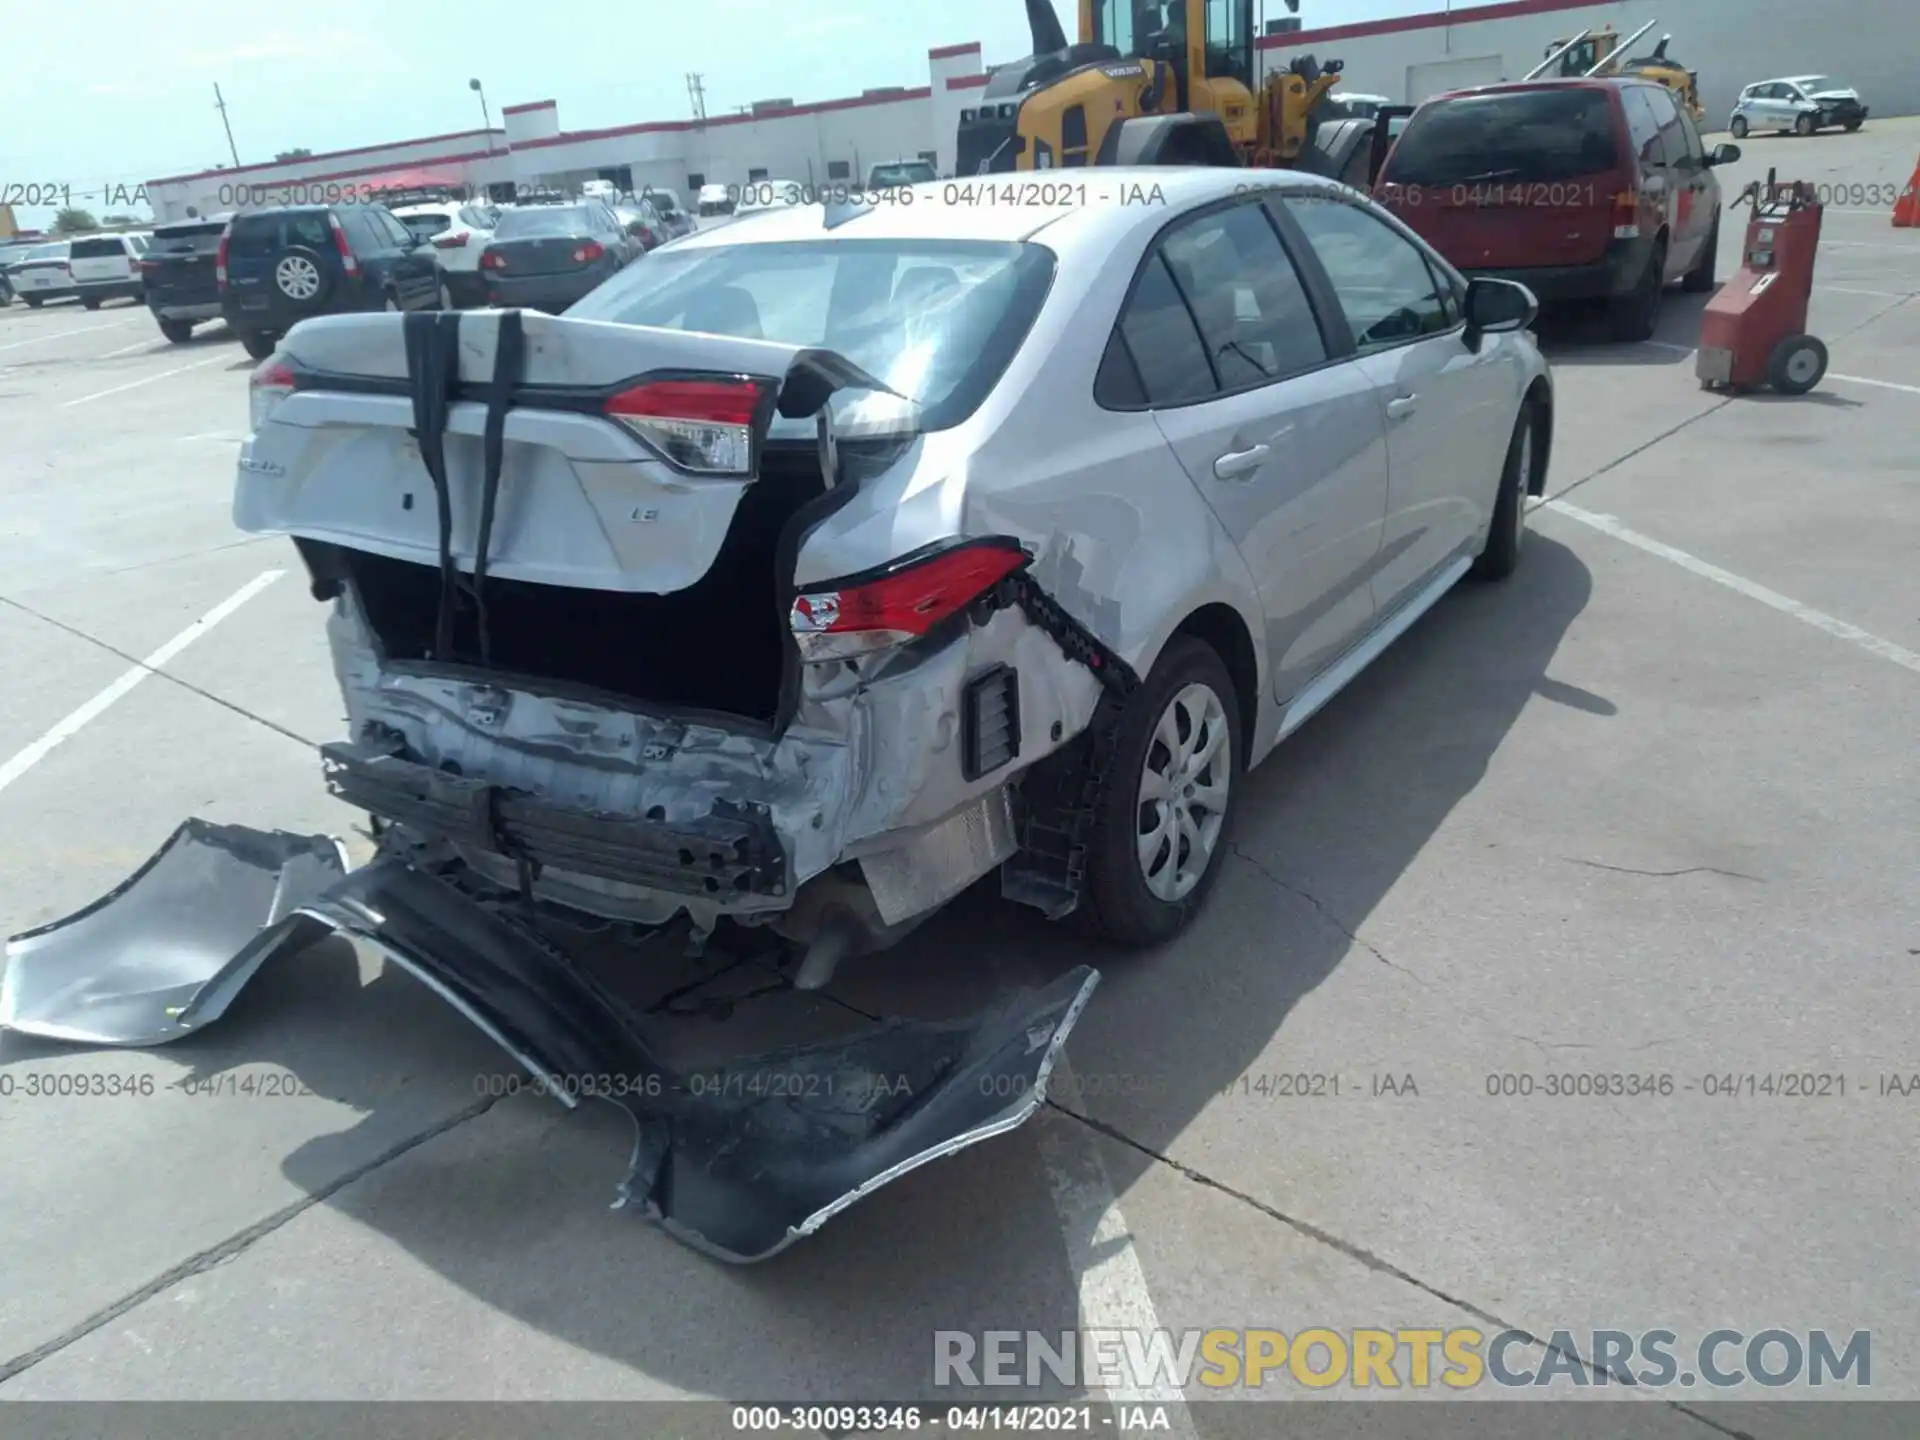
[(450, 242), (589, 252), (858, 615), (271, 382), (347, 262), (492, 260), (705, 426), (1626, 215), (149, 264), (220, 261)]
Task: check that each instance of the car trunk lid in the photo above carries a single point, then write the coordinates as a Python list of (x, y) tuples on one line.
[(544, 255), (178, 268)]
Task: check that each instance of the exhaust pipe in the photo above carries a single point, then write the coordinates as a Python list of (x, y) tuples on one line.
[(1620, 49)]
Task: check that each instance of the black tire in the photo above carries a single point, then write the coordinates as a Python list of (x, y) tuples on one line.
[(178, 331), (33, 301), (1853, 125), (1738, 129), (1798, 363), (1507, 533), (1118, 904), (1804, 125), (91, 302), (1635, 316), (1701, 278), (258, 343)]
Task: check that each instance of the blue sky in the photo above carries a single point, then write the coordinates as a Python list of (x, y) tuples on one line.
[(136, 100)]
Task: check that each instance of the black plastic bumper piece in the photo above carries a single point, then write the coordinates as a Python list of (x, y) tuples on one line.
[(732, 851), (743, 1158)]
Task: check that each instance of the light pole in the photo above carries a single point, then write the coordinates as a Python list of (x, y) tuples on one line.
[(485, 115)]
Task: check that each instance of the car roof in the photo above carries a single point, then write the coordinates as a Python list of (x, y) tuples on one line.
[(432, 207), (1096, 209)]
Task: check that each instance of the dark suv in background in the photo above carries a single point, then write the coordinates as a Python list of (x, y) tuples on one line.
[(279, 266), (178, 269), (1578, 189)]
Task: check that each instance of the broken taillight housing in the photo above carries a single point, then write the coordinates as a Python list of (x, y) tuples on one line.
[(703, 425), (901, 602), (272, 381)]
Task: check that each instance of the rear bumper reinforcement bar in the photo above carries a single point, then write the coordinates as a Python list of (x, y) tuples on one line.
[(733, 850)]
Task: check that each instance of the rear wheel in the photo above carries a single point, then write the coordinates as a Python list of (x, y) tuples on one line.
[(92, 302), (178, 331), (258, 343), (33, 301), (1853, 125), (1739, 127), (1636, 316), (1796, 365), (1803, 125), (1700, 279), (1160, 824)]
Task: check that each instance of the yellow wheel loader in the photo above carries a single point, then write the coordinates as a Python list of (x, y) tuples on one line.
[(1597, 52), (1150, 82)]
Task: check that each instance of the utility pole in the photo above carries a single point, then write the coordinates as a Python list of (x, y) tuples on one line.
[(220, 104), (697, 92)]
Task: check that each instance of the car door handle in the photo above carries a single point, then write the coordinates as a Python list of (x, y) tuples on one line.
[(1236, 464), (1404, 406)]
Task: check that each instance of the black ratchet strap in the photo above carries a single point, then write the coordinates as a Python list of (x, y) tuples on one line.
[(509, 360), (433, 367)]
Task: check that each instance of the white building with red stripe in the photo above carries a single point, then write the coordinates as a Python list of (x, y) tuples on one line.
[(1731, 43)]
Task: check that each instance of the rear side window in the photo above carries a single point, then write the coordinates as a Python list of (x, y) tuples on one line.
[(1507, 137), (1165, 345), (100, 247), (1251, 307), (1643, 126)]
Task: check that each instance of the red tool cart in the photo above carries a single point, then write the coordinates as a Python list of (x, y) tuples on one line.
[(1754, 330)]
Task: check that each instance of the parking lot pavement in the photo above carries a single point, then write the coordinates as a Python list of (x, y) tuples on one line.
[(1648, 810)]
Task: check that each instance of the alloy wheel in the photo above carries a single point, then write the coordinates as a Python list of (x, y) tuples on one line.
[(297, 277)]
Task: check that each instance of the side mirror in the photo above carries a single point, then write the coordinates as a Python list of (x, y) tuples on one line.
[(1723, 155), (1496, 307)]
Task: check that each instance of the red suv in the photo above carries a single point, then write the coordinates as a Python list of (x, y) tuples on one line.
[(1578, 189)]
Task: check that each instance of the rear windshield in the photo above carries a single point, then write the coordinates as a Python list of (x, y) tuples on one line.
[(1511, 137), (937, 321), (187, 240), (100, 248), (424, 227), (550, 220), (264, 234)]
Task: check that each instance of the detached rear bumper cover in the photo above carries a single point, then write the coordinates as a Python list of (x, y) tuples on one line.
[(739, 1159)]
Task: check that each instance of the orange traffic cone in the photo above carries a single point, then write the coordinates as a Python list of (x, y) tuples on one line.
[(1906, 210)]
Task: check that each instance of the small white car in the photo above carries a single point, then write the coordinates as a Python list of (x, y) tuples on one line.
[(459, 233), (42, 274), (107, 267), (1352, 105), (1800, 103), (714, 200)]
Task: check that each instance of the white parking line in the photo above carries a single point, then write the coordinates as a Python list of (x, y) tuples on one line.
[(1112, 1286), (1877, 384), (147, 380), (94, 708), (1773, 599), (62, 334), (129, 349)]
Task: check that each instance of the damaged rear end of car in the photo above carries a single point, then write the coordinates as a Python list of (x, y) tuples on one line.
[(619, 642)]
